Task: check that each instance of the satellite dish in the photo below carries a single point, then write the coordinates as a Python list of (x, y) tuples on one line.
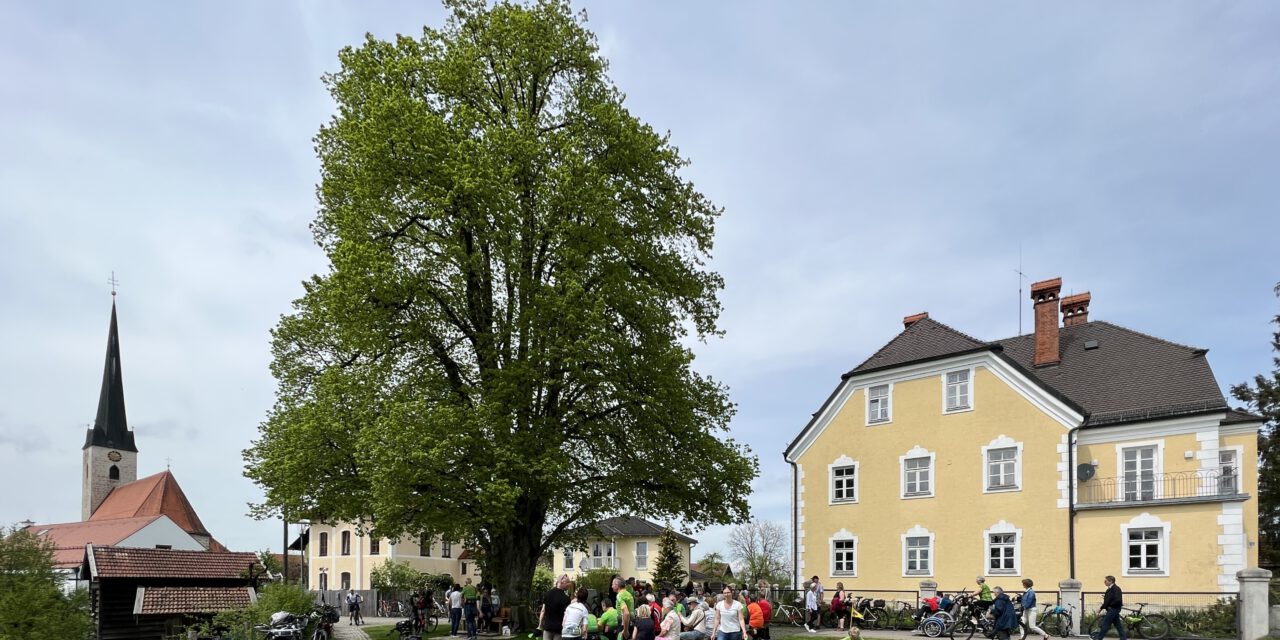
[(1084, 471), (582, 564)]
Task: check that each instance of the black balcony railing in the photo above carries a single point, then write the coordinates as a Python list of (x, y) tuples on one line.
[(1158, 487)]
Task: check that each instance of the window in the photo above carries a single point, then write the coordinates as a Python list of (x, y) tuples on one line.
[(918, 549), (324, 544), (346, 580), (917, 476), (844, 557), (1001, 550), (1145, 551), (446, 549), (375, 546), (1228, 472), (1002, 468), (642, 555), (346, 543), (1138, 473), (568, 559), (844, 483), (464, 568), (958, 390), (324, 580), (113, 473), (878, 404), (602, 555), (424, 546)]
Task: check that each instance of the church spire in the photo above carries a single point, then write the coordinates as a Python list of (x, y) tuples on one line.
[(110, 428)]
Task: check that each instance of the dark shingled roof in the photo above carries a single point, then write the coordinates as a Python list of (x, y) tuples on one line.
[(923, 340), (633, 526), (1128, 376), (1237, 416), (124, 562)]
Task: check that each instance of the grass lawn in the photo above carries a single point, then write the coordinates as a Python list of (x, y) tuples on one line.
[(385, 631)]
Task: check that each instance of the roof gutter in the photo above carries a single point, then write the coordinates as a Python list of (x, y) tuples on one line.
[(1071, 500), (795, 525)]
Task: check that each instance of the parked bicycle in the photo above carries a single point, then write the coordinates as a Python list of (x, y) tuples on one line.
[(788, 613), (1152, 626), (1055, 619)]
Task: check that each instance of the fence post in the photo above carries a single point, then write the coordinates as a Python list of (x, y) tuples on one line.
[(1255, 615), (1071, 594), (928, 589)]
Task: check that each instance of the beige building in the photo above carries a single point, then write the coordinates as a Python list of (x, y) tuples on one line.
[(627, 545), (338, 557)]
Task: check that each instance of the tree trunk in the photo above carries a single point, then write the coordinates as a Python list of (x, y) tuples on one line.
[(514, 558)]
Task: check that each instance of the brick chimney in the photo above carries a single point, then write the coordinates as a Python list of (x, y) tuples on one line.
[(910, 320), (1075, 309), (1045, 296)]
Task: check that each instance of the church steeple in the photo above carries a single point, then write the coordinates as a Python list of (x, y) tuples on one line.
[(110, 427)]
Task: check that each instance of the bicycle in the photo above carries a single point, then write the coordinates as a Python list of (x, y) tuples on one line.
[(1055, 619), (788, 613), (1151, 626)]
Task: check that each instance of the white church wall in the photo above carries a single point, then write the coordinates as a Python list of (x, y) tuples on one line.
[(162, 531)]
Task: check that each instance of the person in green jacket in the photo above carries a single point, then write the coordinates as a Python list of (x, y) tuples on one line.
[(609, 624), (985, 597)]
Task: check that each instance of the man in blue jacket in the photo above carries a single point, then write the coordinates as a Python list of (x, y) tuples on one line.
[(1006, 618)]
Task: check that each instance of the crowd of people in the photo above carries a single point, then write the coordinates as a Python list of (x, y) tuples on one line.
[(633, 610)]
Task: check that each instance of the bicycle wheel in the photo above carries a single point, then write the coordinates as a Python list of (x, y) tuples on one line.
[(933, 627), (1057, 624), (879, 618), (1153, 627), (794, 617), (433, 621), (1095, 628)]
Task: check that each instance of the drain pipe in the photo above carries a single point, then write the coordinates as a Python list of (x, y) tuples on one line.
[(795, 526), (1071, 499)]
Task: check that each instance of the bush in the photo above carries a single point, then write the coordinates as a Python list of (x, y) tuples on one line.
[(543, 580), (272, 597)]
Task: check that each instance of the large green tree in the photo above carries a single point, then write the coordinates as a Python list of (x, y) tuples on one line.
[(1263, 397), (33, 604), (499, 350)]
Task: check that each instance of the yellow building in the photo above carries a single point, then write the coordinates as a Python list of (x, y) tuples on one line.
[(626, 544), (1080, 450), (339, 558)]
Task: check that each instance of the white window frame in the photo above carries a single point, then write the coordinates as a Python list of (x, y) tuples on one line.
[(1157, 470), (1002, 527), (888, 399), (917, 452), (843, 535), (1002, 442), (841, 463), (918, 532), (945, 384), (1238, 453), (1146, 521), (568, 560), (603, 560), (642, 561)]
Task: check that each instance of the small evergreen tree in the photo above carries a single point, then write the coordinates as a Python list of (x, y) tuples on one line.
[(1263, 397), (33, 605), (669, 569)]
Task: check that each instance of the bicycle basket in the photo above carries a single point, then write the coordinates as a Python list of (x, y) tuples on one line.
[(879, 604)]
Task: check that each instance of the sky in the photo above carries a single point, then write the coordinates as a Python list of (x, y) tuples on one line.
[(873, 160)]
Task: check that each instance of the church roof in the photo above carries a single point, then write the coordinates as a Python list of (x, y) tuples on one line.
[(151, 496), (110, 427), (69, 538)]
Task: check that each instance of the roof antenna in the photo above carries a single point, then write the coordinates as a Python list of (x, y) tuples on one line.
[(1021, 276), (114, 283)]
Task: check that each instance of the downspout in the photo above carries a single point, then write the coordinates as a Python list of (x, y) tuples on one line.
[(1071, 499), (795, 526)]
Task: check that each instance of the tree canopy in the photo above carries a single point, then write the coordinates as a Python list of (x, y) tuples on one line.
[(499, 351), (33, 605), (1263, 397), (760, 549)]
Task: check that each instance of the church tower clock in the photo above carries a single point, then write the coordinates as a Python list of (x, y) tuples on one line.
[(110, 457)]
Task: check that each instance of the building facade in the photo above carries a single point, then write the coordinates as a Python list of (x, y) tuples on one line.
[(626, 544), (1081, 450), (340, 557)]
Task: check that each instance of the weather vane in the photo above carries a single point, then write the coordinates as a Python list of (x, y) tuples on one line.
[(114, 283)]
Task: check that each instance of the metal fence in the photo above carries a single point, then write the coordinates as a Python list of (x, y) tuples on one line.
[(1144, 487), (1188, 614)]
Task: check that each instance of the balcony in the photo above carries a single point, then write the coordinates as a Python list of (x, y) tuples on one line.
[(1143, 489), (602, 562)]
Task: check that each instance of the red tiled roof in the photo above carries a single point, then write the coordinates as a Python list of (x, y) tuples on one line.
[(126, 562), (69, 538), (171, 600), (151, 496)]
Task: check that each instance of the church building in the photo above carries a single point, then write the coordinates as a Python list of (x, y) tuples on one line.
[(117, 508)]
